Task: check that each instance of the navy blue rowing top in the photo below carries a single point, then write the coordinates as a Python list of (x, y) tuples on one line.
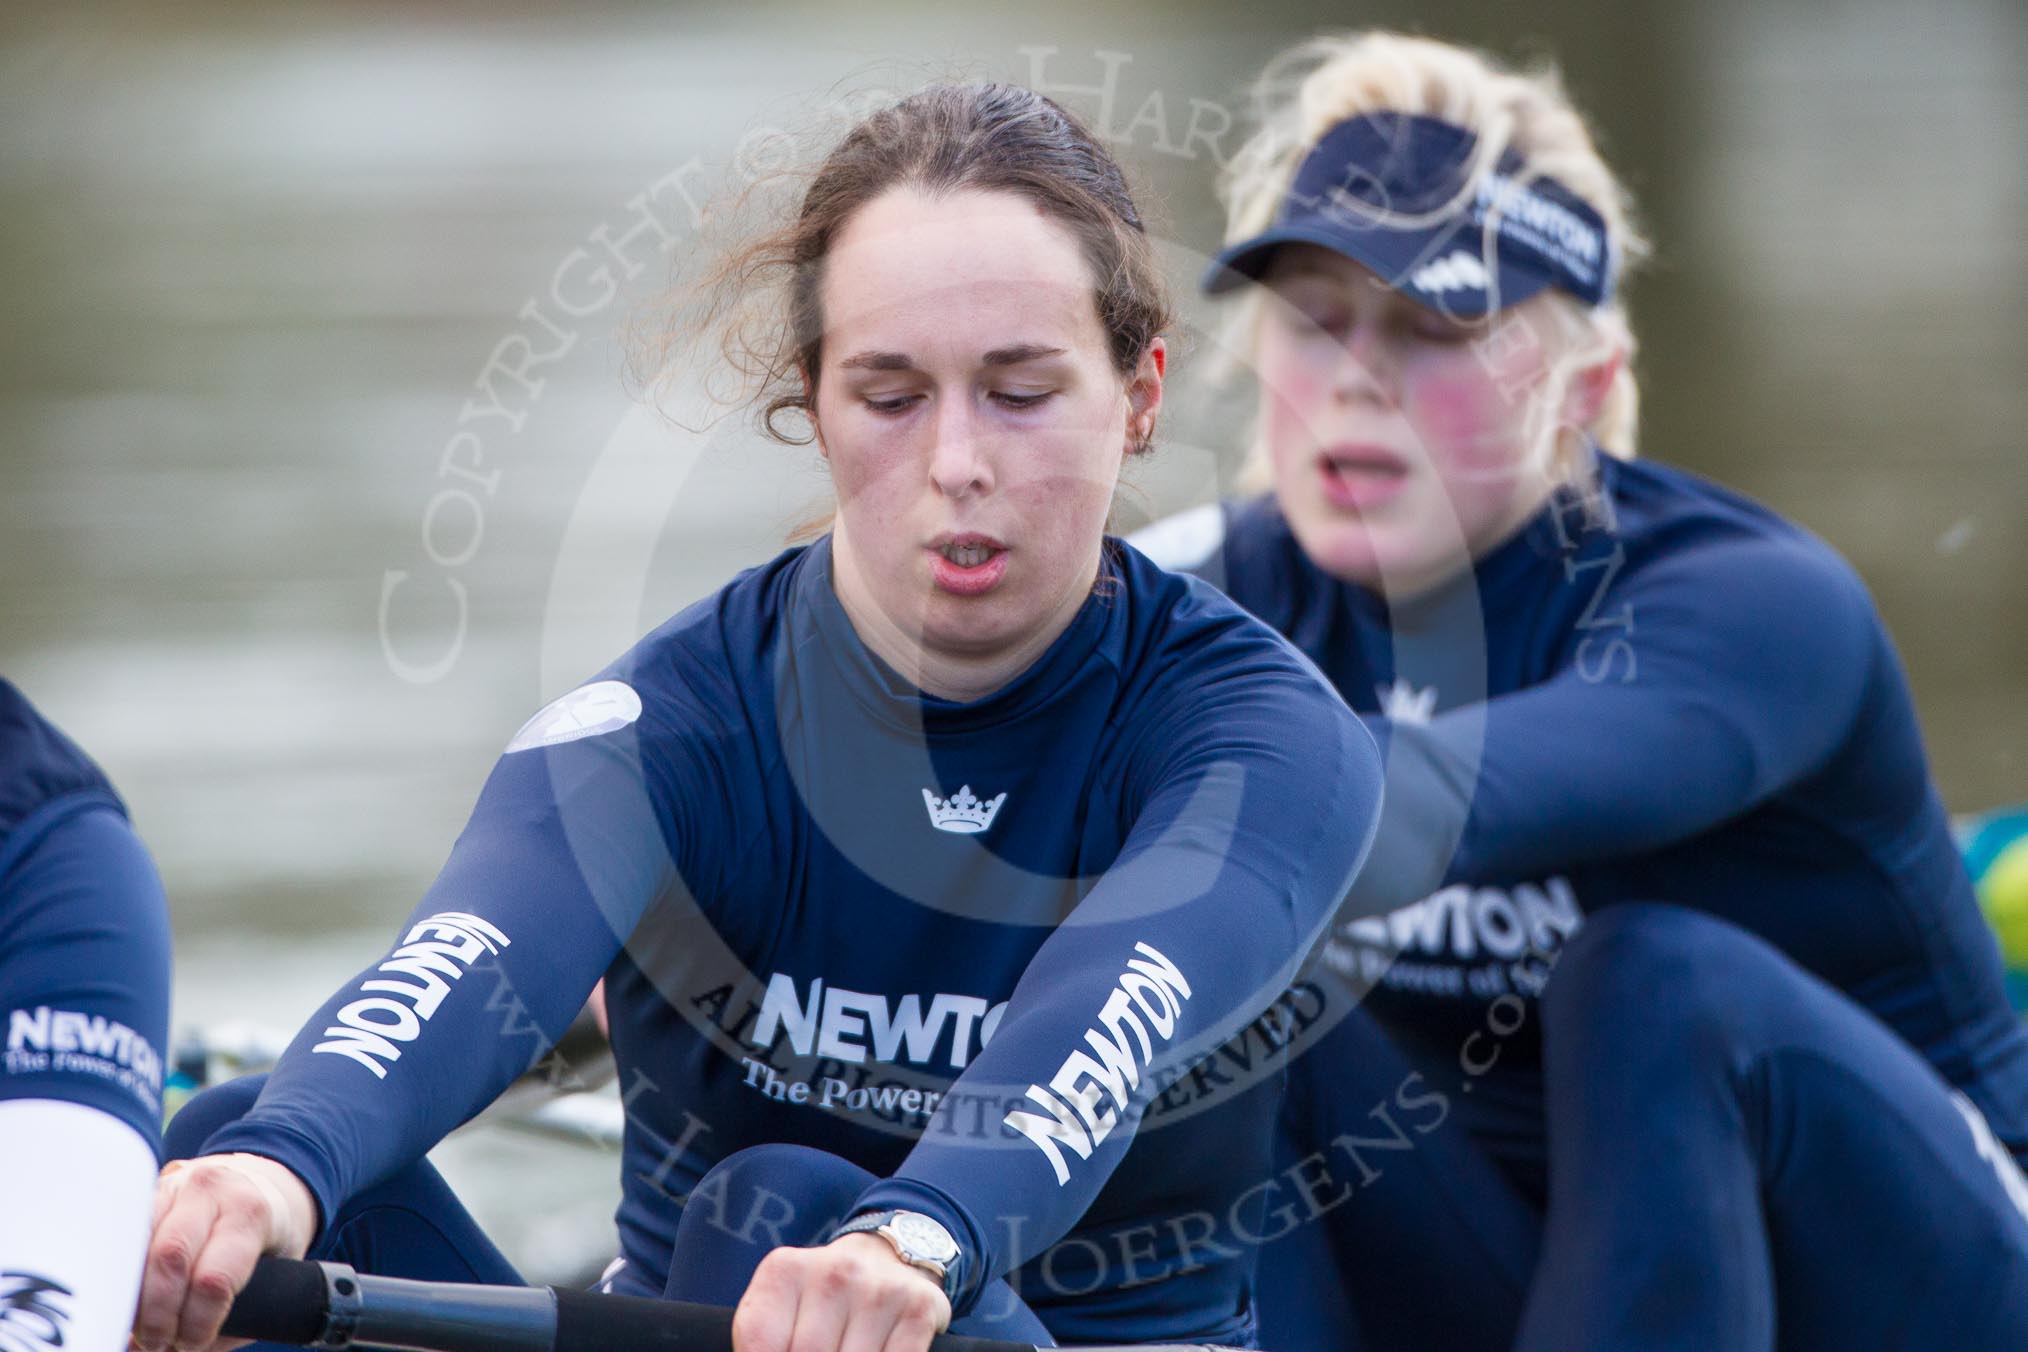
[(1658, 691), (968, 946), (84, 932)]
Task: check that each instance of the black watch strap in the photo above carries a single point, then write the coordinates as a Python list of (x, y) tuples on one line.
[(892, 1225)]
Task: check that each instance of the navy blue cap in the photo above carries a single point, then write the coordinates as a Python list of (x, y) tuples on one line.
[(1395, 192)]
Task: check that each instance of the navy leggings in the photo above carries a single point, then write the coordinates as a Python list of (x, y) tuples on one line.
[(412, 1225), (1740, 1157)]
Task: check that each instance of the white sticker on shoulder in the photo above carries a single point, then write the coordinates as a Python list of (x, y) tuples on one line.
[(1185, 540), (586, 711)]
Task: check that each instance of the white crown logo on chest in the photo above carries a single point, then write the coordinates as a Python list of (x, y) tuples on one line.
[(1404, 703), (962, 813)]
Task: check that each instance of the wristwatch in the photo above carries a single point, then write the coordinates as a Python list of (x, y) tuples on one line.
[(918, 1240)]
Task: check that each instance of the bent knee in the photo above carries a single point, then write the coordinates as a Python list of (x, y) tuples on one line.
[(1657, 967), (814, 1183), (782, 1160)]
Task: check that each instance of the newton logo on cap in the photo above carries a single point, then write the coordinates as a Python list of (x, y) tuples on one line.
[(1455, 271)]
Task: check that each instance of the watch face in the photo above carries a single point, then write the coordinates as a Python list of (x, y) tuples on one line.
[(923, 1236)]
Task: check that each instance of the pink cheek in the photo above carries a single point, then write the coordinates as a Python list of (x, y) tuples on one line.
[(1463, 418), (849, 475), (864, 454)]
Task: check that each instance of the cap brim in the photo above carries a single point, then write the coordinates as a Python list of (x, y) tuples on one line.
[(1395, 256)]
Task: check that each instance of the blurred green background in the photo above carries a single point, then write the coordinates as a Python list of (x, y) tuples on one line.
[(265, 266)]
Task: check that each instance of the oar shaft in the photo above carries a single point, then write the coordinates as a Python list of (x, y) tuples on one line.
[(328, 1305), (450, 1317)]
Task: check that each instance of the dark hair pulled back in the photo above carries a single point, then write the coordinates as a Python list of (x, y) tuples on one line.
[(944, 139)]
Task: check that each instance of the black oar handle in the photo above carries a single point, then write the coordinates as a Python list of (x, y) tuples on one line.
[(328, 1305), (285, 1301)]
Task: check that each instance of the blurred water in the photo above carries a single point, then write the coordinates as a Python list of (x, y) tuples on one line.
[(257, 260)]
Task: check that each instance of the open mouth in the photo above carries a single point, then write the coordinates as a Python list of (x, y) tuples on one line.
[(1357, 477), (967, 565), (967, 555)]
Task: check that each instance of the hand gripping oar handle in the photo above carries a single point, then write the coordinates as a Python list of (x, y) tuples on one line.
[(589, 1322), (328, 1305)]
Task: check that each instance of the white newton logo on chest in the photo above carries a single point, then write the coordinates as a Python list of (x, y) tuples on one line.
[(845, 1024), (1462, 922)]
